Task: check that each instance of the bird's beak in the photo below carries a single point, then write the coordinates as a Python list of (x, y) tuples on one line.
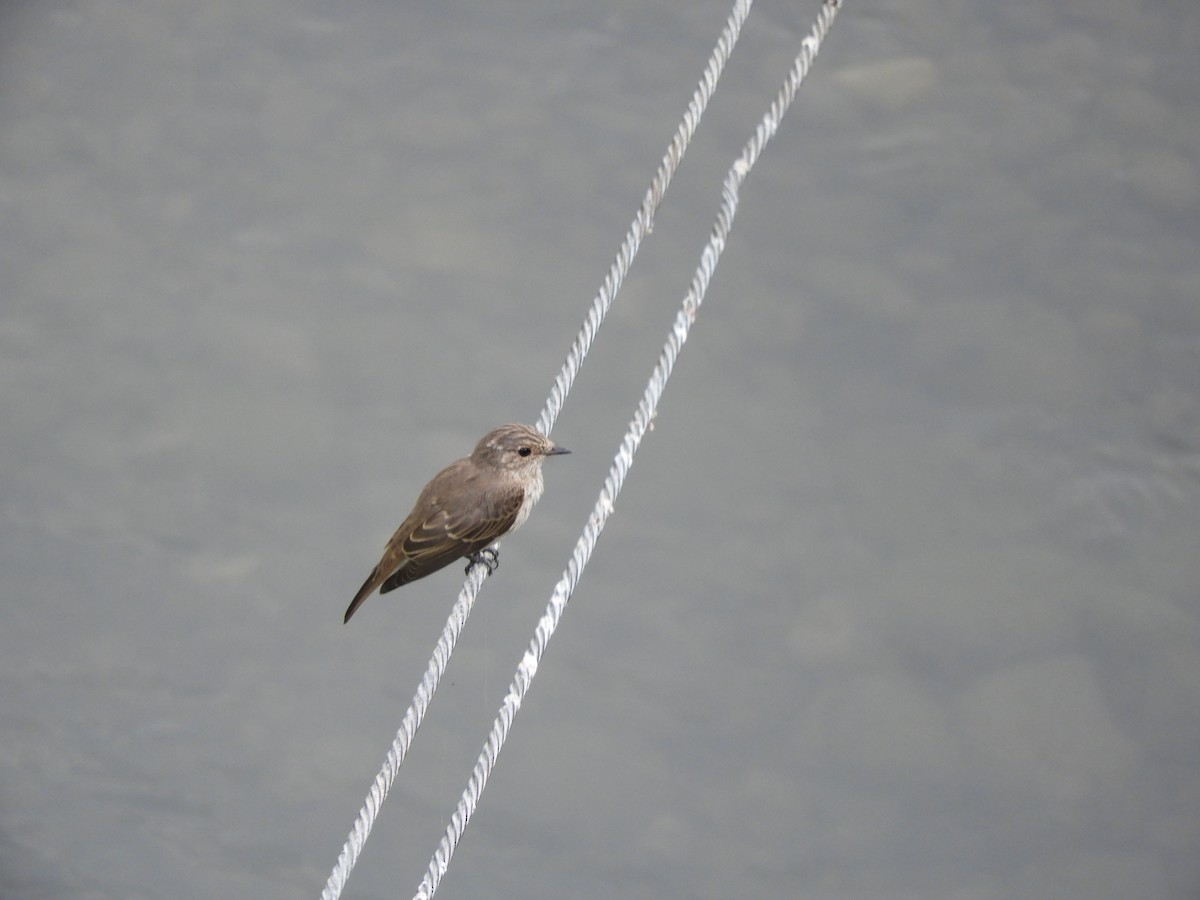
[(557, 451)]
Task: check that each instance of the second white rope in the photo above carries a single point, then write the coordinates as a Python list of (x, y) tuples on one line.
[(605, 503)]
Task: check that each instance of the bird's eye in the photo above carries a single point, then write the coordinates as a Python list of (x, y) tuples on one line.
[(524, 451)]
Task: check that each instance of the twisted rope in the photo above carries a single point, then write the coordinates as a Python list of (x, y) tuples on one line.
[(643, 222), (642, 418), (640, 227)]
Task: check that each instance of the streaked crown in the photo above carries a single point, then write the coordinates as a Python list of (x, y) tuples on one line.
[(515, 447)]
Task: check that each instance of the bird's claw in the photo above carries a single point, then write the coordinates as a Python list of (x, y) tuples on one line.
[(487, 557)]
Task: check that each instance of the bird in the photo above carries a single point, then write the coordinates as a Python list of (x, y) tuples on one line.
[(464, 508)]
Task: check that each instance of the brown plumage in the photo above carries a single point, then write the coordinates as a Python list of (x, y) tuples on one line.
[(467, 506)]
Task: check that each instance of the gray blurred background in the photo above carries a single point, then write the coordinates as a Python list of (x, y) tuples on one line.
[(900, 600)]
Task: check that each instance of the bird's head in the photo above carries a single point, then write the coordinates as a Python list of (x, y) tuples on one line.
[(515, 448)]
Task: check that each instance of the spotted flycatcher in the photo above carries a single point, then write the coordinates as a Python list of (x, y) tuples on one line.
[(467, 505)]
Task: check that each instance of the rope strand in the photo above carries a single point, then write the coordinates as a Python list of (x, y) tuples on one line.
[(643, 222), (623, 460), (640, 227)]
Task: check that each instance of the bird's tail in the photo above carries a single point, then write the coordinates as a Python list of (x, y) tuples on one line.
[(364, 592)]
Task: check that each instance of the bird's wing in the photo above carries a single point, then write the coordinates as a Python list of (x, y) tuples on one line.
[(444, 536), (489, 519)]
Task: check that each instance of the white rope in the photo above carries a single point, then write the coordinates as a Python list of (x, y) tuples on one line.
[(644, 221), (646, 410), (640, 227)]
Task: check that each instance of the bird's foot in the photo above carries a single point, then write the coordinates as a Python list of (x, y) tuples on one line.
[(487, 557)]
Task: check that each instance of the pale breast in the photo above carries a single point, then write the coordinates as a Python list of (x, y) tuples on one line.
[(533, 492)]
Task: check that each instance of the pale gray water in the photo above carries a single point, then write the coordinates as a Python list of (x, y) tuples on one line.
[(901, 596)]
